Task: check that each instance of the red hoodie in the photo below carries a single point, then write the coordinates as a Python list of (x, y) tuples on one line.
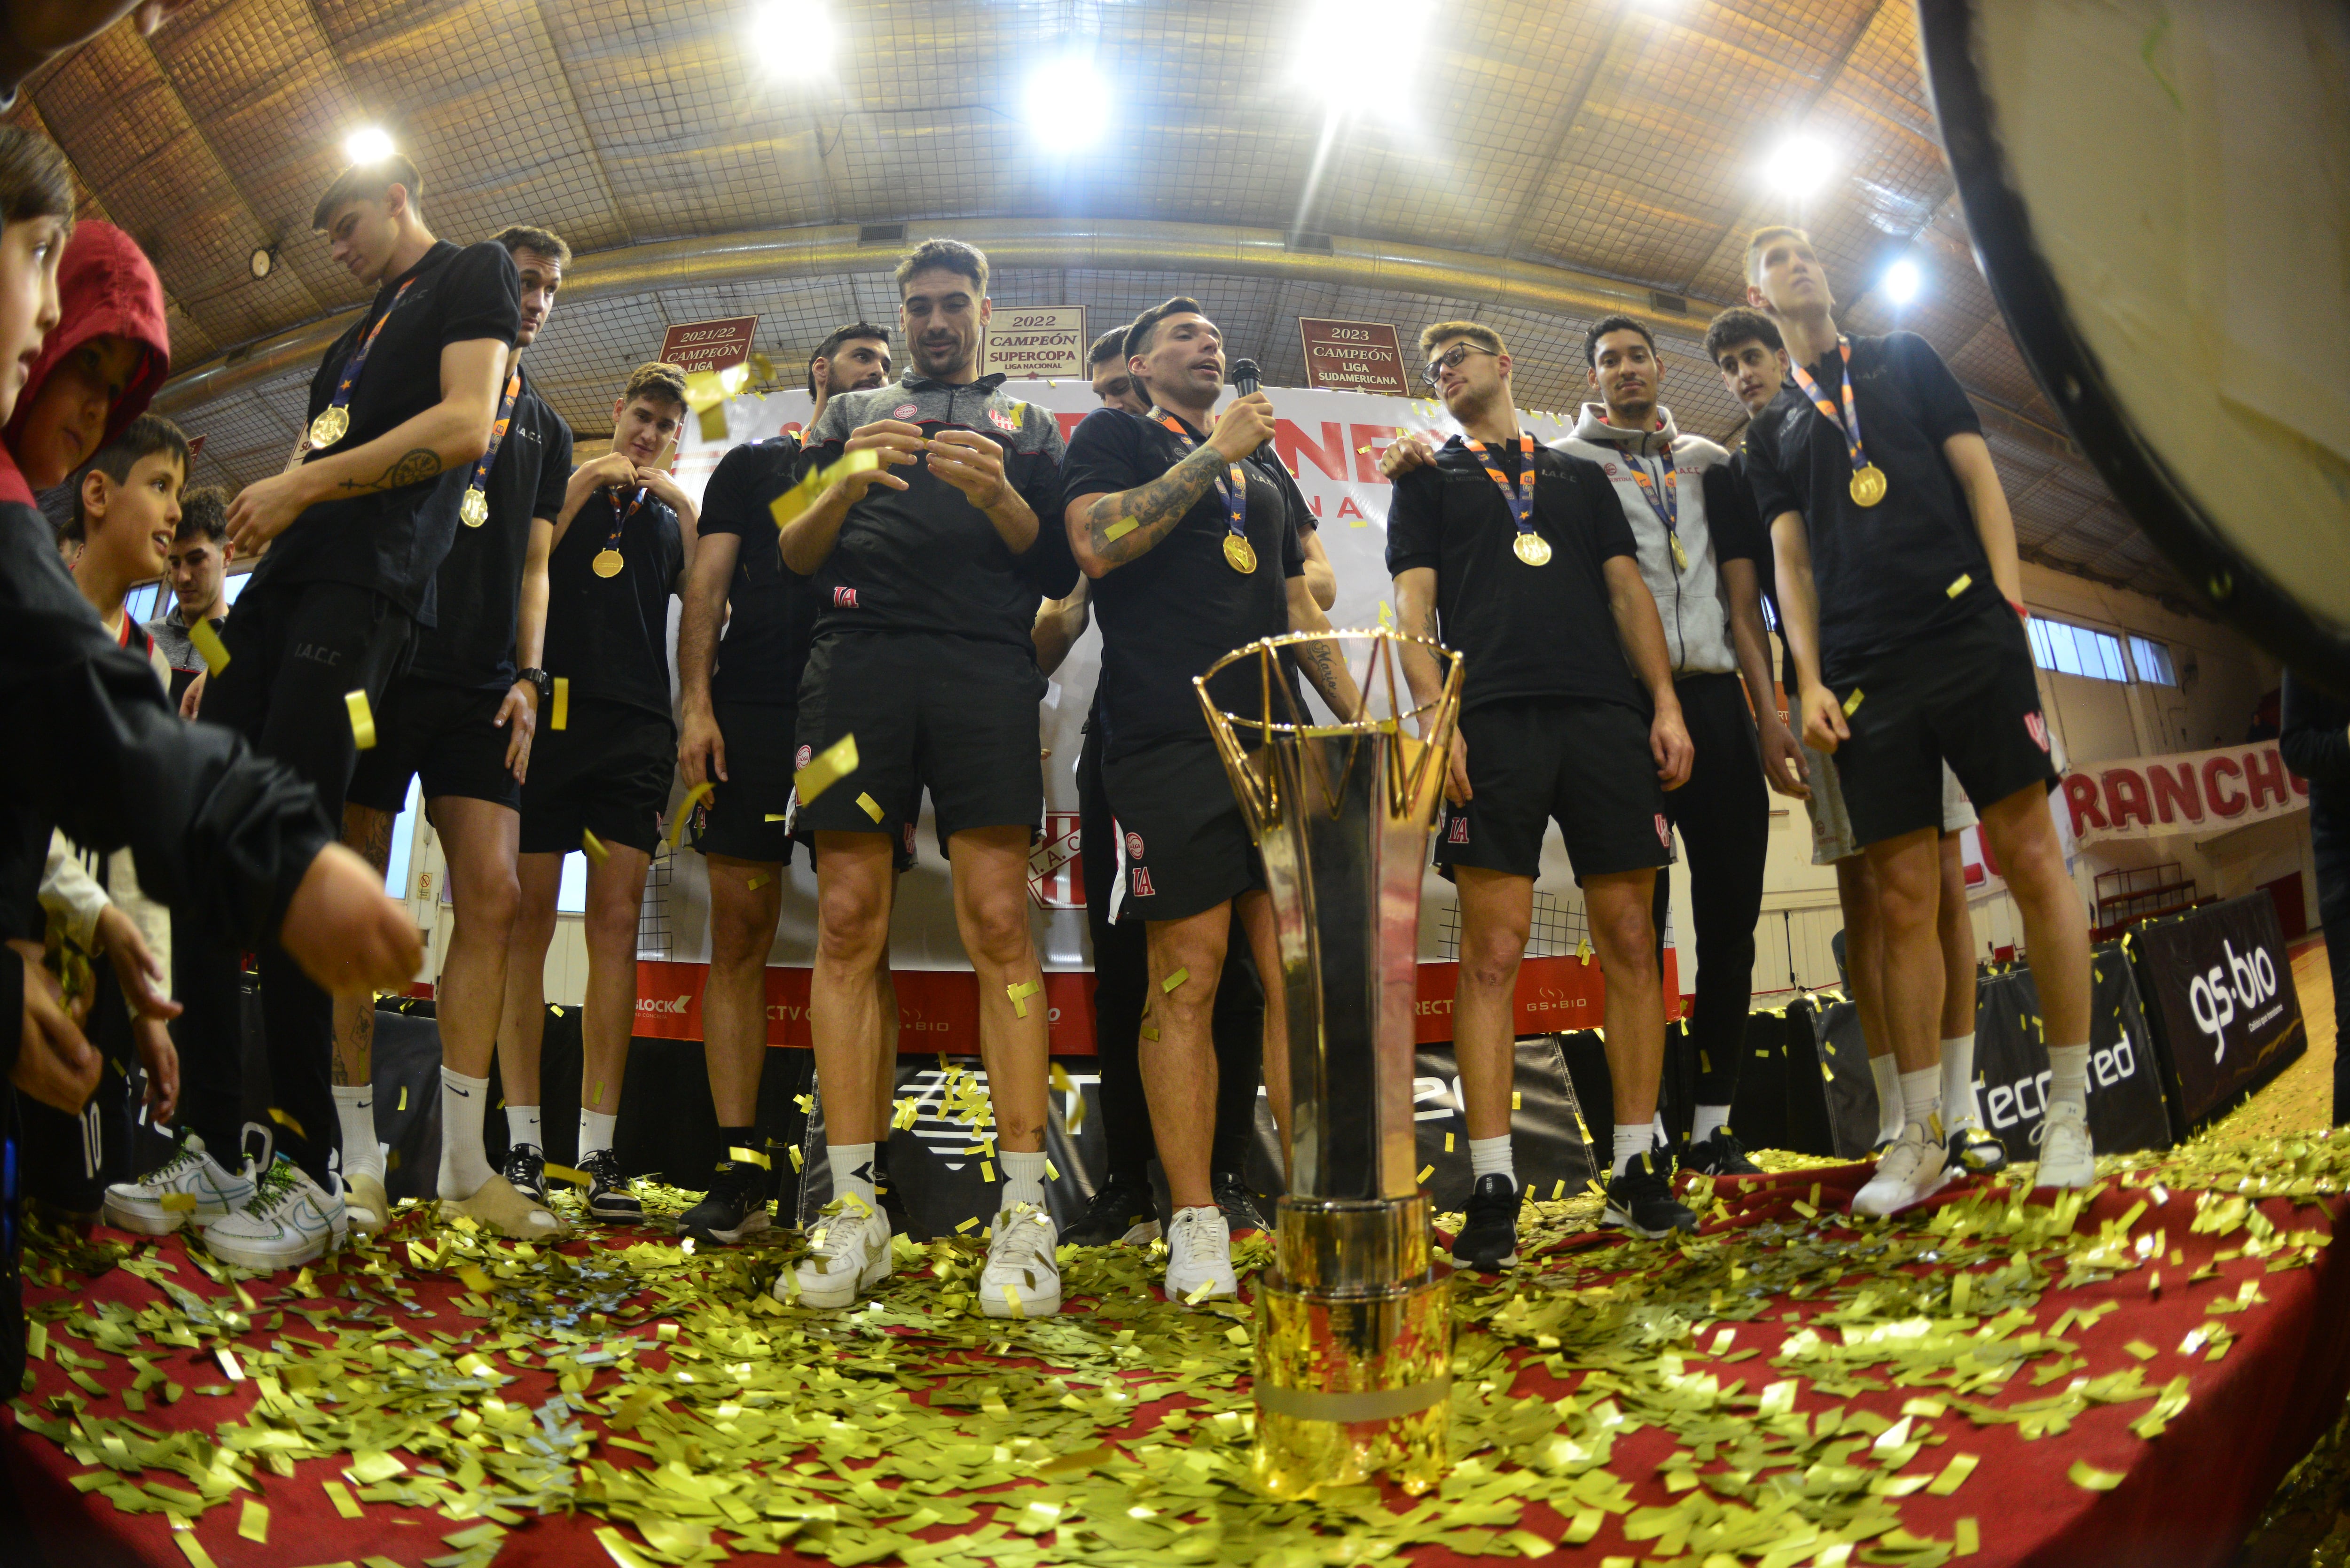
[(105, 284)]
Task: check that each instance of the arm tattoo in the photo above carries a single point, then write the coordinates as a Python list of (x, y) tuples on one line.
[(1155, 508), (1329, 677), (412, 469)]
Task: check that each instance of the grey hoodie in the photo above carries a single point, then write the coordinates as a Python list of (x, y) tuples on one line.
[(1691, 600)]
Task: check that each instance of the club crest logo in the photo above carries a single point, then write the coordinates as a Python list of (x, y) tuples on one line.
[(1008, 422), (806, 755), (1142, 888), (1608, 469), (1459, 832), (844, 598), (2038, 728), (1664, 830), (904, 411), (1134, 847)]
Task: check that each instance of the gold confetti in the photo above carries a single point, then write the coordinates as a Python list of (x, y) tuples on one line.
[(36, 1336), (1425, 1172), (1517, 1101), (475, 1281), (870, 806), (252, 1524), (1965, 1538), (1173, 981), (1954, 1474), (784, 508), (287, 1121), (987, 1170), (594, 847), (562, 714), (828, 768), (567, 1174), (776, 816), (617, 1547), (229, 1367), (1852, 703), (192, 1549), (403, 1098), (1020, 994), (756, 883), (741, 1156), (1448, 1143), (798, 1161), (706, 392), (362, 721), (694, 797), (340, 1496), (1119, 530), (762, 367), (177, 1203), (207, 642), (2089, 1478), (1966, 580)]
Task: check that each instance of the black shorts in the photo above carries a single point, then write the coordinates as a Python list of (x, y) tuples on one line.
[(606, 773), (954, 715), (748, 814), (1585, 765), (1967, 696), (444, 735), (1184, 844)]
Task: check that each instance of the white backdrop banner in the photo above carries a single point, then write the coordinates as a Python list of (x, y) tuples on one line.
[(1331, 441)]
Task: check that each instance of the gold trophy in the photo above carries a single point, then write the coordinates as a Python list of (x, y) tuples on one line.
[(1354, 1346)]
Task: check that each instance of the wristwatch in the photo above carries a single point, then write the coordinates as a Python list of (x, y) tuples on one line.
[(540, 678)]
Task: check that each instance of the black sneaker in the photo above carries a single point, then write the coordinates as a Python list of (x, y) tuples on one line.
[(608, 1197), (1720, 1155), (1488, 1240), (734, 1207), (1120, 1215), (1641, 1201), (1977, 1151), (1238, 1204), (526, 1172)]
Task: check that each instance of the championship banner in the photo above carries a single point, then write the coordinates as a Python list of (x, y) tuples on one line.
[(2225, 1013), (1354, 357), (2203, 792), (693, 346), (1037, 340)]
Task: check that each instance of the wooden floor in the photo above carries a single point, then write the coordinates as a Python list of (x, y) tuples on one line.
[(2300, 1098)]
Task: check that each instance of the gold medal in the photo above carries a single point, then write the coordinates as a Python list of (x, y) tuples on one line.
[(1868, 485), (607, 562), (329, 426), (1238, 553), (474, 510), (1532, 548), (1680, 555)]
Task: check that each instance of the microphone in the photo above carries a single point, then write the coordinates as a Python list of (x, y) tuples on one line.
[(1244, 377)]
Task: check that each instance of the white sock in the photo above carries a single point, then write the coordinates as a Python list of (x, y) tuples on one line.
[(596, 1130), (523, 1127), (1490, 1157), (463, 1166), (852, 1171), (1958, 1083), (2068, 1076), (1709, 1118), (1922, 1098), (1888, 1074), (1024, 1179), (1633, 1139), (355, 1108)]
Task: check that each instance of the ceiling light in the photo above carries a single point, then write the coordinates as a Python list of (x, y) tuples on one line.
[(1361, 52), (793, 37), (1066, 103), (1798, 166), (368, 144), (1902, 281)]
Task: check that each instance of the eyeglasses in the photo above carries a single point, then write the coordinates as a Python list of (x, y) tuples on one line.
[(1450, 360)]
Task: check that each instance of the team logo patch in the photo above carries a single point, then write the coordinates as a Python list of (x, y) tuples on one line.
[(807, 754), (1608, 469), (1142, 888), (904, 411), (2038, 727), (844, 598), (1009, 423), (1664, 830), (1459, 832), (1134, 847)]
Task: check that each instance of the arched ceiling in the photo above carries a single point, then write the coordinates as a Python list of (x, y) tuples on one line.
[(1615, 139)]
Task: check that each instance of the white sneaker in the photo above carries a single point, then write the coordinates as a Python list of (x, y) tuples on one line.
[(1199, 1253), (366, 1205), (1913, 1168), (1022, 1277), (289, 1221), (851, 1255), (194, 1181), (2066, 1157)]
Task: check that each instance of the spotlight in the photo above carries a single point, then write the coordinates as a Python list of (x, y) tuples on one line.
[(1359, 53), (1902, 281), (1066, 103), (368, 144), (793, 37), (1798, 166)]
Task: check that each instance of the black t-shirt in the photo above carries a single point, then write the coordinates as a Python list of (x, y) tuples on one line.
[(1526, 631), (479, 585), (1882, 572), (924, 558), (1169, 615), (771, 609), (1731, 514), (393, 541), (609, 635)]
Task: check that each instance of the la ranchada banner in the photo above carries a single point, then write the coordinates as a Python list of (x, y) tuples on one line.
[(2199, 793)]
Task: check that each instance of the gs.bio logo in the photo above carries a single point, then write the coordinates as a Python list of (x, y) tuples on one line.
[(2241, 984), (2026, 1099)]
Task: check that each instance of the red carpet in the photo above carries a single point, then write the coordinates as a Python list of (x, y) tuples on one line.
[(2186, 1497)]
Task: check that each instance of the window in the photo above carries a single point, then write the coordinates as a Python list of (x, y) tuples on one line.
[(403, 843), (2077, 651), (141, 602), (2153, 662)]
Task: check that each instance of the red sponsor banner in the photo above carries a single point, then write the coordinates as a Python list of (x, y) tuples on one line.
[(938, 1008), (2199, 793), (709, 344), (1354, 357)]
